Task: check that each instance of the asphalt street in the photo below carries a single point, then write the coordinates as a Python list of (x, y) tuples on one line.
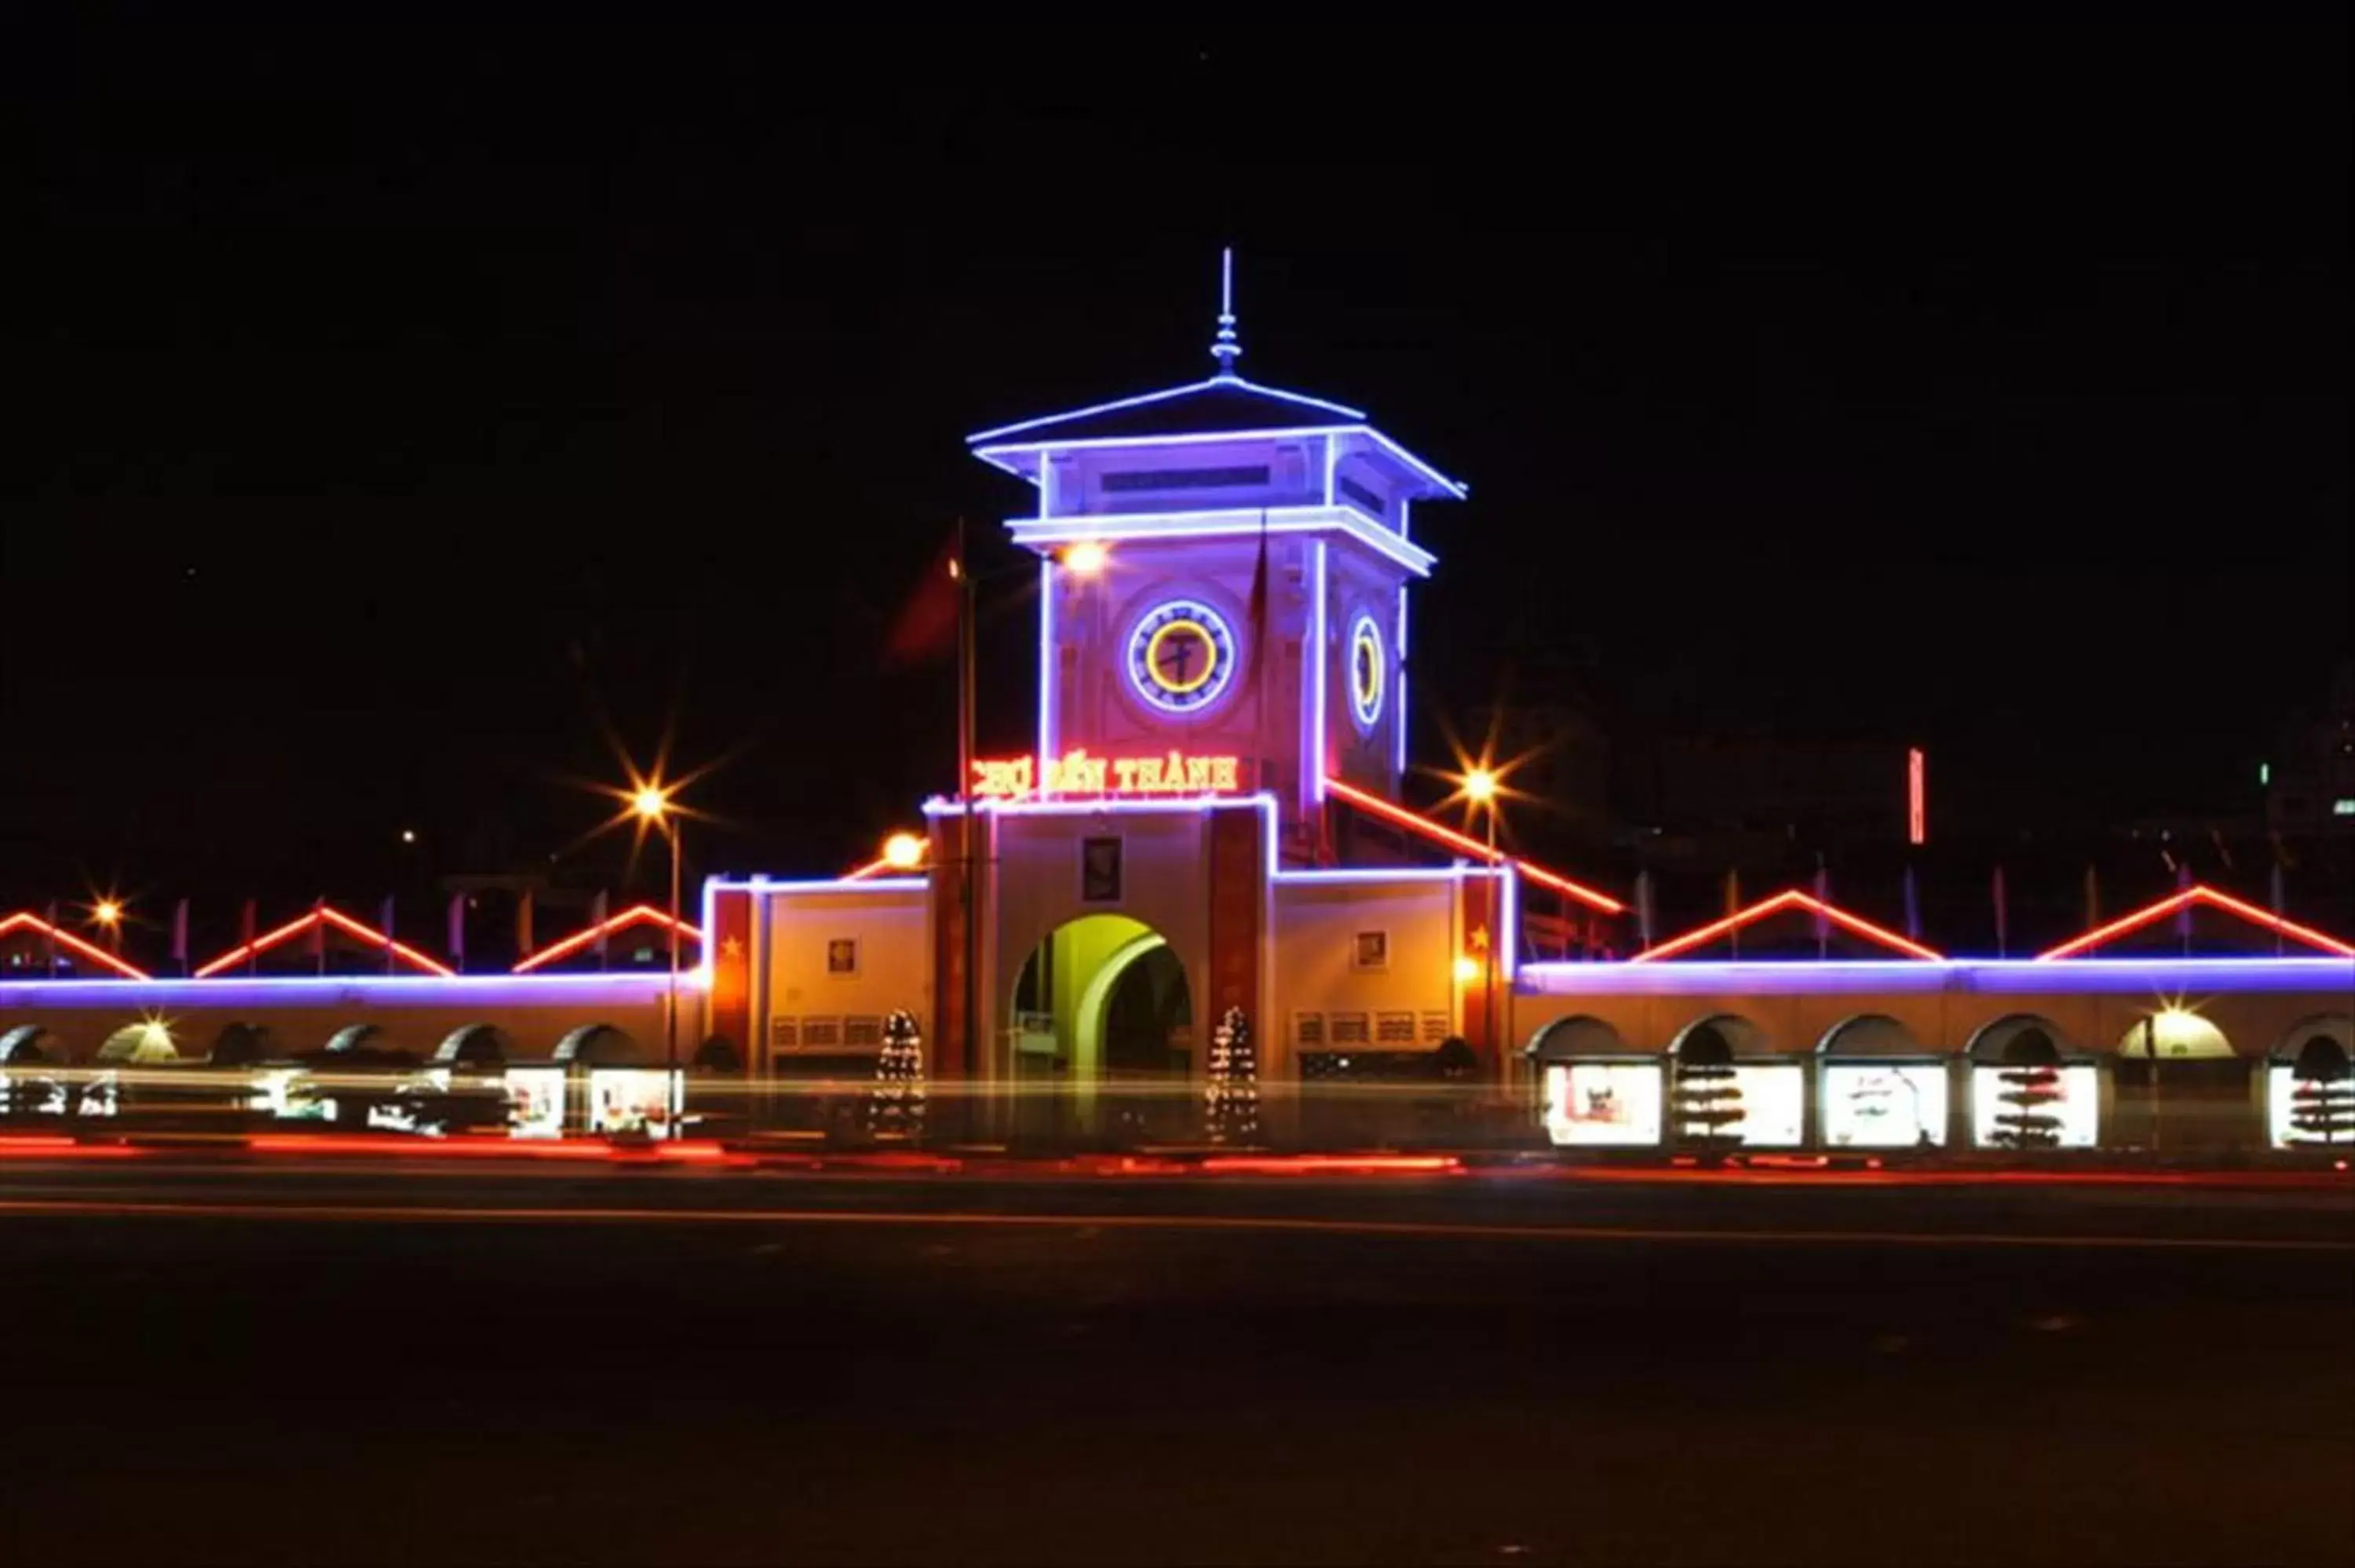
[(344, 1363)]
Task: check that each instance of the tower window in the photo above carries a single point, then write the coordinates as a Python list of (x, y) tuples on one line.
[(1184, 478), (1362, 495)]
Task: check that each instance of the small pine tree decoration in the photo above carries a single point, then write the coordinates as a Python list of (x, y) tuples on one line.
[(2031, 1081), (1707, 1098), (1231, 1098), (2322, 1106), (895, 1107)]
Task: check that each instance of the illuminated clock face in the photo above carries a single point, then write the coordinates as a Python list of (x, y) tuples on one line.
[(1369, 672), (1182, 655)]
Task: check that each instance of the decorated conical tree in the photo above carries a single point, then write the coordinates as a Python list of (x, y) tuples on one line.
[(2032, 1083), (895, 1107), (1707, 1101), (1231, 1098), (2322, 1106)]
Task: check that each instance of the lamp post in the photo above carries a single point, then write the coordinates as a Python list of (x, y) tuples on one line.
[(1480, 788), (651, 802)]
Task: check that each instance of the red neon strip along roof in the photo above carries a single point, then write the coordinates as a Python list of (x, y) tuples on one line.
[(635, 914), (2153, 913), (1439, 832), (328, 914), (1790, 898), (25, 918)]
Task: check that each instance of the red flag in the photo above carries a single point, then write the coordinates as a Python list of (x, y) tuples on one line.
[(523, 925), (458, 931), (926, 627), (180, 932)]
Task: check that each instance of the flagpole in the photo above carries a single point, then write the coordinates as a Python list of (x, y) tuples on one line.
[(969, 902)]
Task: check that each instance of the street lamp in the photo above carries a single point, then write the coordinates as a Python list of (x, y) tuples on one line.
[(108, 914), (651, 804), (904, 851), (1481, 787), (1086, 558)]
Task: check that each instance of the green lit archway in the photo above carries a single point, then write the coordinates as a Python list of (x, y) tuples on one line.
[(1103, 1000)]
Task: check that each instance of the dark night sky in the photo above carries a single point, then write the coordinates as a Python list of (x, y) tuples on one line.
[(403, 399)]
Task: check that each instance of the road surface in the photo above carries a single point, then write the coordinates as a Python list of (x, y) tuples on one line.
[(299, 1364)]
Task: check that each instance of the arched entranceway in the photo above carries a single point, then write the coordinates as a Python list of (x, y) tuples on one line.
[(1102, 1025)]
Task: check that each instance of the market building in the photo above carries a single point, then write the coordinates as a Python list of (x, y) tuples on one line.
[(1210, 823)]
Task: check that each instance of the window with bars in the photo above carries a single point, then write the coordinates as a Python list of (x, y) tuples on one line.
[(1434, 1028), (1394, 1029), (862, 1032), (822, 1032), (1308, 1029), (784, 1033), (1351, 1029)]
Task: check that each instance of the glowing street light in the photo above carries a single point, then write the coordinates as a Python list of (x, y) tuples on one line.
[(1086, 558), (651, 802), (107, 914), (1480, 787), (904, 851)]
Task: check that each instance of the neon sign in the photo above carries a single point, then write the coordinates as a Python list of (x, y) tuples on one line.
[(1077, 773)]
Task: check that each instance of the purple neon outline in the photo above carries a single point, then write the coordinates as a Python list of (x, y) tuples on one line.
[(1045, 656), (1123, 528), (1381, 874), (1087, 805), (1508, 920), (1991, 977), (1454, 489), (1144, 399), (1324, 656), (1398, 704), (225, 991)]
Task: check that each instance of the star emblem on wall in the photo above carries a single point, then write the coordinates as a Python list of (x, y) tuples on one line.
[(733, 947)]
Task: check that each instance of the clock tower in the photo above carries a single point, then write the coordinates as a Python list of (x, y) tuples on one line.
[(1223, 584)]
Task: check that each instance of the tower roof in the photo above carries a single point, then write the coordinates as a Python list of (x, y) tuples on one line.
[(1221, 404)]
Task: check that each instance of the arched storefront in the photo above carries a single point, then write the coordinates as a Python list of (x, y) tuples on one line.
[(2308, 1088), (1879, 1086), (2031, 1087)]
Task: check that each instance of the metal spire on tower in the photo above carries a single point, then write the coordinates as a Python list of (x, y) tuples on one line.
[(1226, 349)]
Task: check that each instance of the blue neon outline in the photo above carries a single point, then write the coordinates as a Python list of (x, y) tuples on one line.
[(1197, 610), (1397, 706), (1144, 399), (829, 884), (1508, 921), (224, 990), (1991, 977), (1382, 874), (1324, 655), (1047, 656), (1063, 806), (1124, 527), (993, 454)]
